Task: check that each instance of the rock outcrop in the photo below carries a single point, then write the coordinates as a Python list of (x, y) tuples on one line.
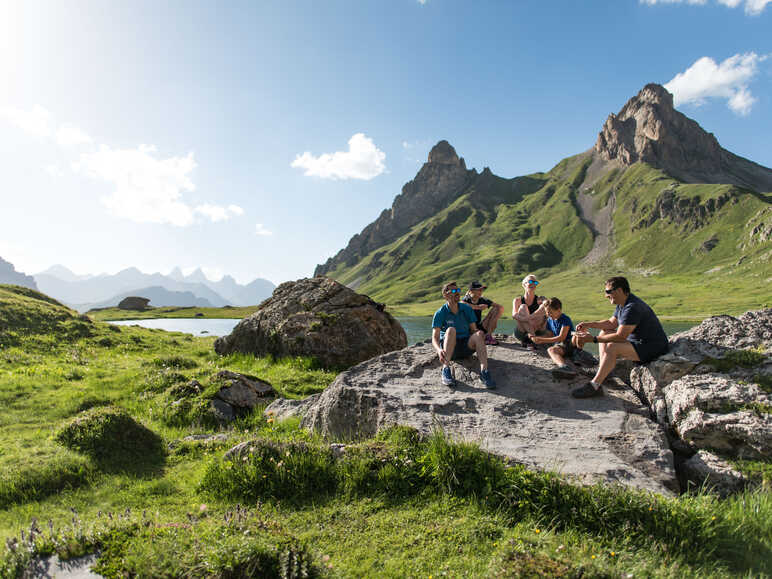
[(437, 184), (316, 317), (133, 303), (238, 394), (9, 275), (530, 419), (649, 129), (713, 388)]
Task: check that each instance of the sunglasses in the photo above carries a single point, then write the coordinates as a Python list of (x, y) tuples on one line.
[(610, 291), (454, 291), (533, 282)]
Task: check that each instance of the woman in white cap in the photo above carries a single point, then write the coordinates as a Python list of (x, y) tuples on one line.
[(530, 312)]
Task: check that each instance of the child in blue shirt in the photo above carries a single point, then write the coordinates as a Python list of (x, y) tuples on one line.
[(561, 327)]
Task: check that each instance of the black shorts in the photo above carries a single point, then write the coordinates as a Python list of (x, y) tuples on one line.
[(648, 352), (462, 349)]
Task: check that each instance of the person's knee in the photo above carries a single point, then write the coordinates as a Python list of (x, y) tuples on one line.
[(553, 350), (450, 332)]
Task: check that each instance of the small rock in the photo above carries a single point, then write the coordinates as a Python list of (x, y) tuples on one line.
[(705, 468)]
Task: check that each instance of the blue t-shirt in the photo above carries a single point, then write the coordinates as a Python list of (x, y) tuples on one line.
[(444, 319), (648, 330), (556, 326)]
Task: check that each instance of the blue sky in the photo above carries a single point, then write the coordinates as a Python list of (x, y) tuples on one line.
[(255, 138)]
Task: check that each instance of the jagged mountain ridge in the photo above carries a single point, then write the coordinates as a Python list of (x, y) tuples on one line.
[(500, 229), (9, 275), (85, 292)]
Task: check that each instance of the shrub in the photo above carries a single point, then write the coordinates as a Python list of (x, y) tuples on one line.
[(177, 362), (111, 436), (37, 482)]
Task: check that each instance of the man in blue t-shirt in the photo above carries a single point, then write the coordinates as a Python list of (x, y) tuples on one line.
[(633, 332), (455, 335)]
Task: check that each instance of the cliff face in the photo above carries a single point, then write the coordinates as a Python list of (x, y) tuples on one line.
[(650, 130), (441, 179), (9, 275)]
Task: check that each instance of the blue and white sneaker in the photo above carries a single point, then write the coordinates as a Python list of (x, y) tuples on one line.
[(447, 377), (485, 376)]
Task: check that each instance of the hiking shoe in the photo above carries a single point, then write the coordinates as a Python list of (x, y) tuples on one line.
[(564, 371), (531, 347), (587, 391), (447, 377), (485, 376), (491, 341)]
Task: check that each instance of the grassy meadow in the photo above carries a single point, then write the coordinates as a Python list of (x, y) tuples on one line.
[(116, 314), (91, 458)]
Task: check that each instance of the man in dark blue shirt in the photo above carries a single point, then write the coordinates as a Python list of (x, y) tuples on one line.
[(455, 335), (633, 332)]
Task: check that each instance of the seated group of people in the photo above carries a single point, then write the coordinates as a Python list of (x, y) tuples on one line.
[(633, 332)]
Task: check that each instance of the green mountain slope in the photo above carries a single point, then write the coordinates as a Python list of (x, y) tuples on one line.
[(691, 249)]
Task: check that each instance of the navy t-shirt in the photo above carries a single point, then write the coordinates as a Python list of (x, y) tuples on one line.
[(444, 319), (480, 302), (556, 326), (648, 330)]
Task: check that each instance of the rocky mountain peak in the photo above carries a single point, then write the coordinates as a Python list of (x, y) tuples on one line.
[(443, 153), (649, 129), (9, 275)]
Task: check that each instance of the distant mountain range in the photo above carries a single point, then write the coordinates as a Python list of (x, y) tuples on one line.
[(84, 292), (656, 198)]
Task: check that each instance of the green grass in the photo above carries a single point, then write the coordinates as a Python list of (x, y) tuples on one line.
[(395, 505), (115, 314)]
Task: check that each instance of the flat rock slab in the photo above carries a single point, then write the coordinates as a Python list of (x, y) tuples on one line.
[(530, 418), (54, 568)]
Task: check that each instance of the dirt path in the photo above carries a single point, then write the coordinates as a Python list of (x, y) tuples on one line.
[(600, 223)]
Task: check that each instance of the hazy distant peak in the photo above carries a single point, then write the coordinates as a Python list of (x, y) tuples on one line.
[(197, 275), (176, 274)]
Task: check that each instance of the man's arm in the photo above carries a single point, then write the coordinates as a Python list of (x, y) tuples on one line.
[(608, 325), (554, 340)]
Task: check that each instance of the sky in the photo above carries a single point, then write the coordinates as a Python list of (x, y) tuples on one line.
[(255, 138)]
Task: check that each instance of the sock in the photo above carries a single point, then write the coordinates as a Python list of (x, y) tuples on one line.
[(594, 385)]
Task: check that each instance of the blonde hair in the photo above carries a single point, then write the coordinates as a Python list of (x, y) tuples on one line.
[(524, 283)]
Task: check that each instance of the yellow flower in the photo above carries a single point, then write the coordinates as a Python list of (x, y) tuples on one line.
[(537, 531), (593, 557), (612, 553)]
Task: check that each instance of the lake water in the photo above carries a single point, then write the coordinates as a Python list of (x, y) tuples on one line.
[(416, 328)]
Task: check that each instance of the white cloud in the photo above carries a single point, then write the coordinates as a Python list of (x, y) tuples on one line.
[(147, 189), (363, 160), (54, 169), (36, 121), (218, 213), (69, 135), (260, 230), (752, 7), (422, 2), (727, 80)]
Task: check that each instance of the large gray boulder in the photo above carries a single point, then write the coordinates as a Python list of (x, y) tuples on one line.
[(530, 419), (316, 317), (711, 389)]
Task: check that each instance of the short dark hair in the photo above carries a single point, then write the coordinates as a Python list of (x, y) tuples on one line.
[(554, 304), (619, 282), (447, 286)]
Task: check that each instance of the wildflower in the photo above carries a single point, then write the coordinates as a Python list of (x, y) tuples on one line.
[(713, 518), (613, 553), (560, 547), (202, 508), (537, 531), (325, 558), (270, 421), (593, 557)]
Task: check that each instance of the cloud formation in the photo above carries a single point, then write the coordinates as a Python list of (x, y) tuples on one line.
[(149, 189), (752, 7), (363, 160), (37, 121), (69, 135), (262, 231), (728, 80)]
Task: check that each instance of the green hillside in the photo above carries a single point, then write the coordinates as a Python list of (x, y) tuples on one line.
[(92, 459), (692, 250)]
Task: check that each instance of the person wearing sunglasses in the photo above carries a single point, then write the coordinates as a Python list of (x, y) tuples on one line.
[(633, 332), (455, 336), (530, 312)]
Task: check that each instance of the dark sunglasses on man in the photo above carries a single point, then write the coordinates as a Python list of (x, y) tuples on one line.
[(454, 291)]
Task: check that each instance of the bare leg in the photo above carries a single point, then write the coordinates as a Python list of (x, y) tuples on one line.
[(492, 319), (449, 345), (609, 352), (556, 355), (477, 341)]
